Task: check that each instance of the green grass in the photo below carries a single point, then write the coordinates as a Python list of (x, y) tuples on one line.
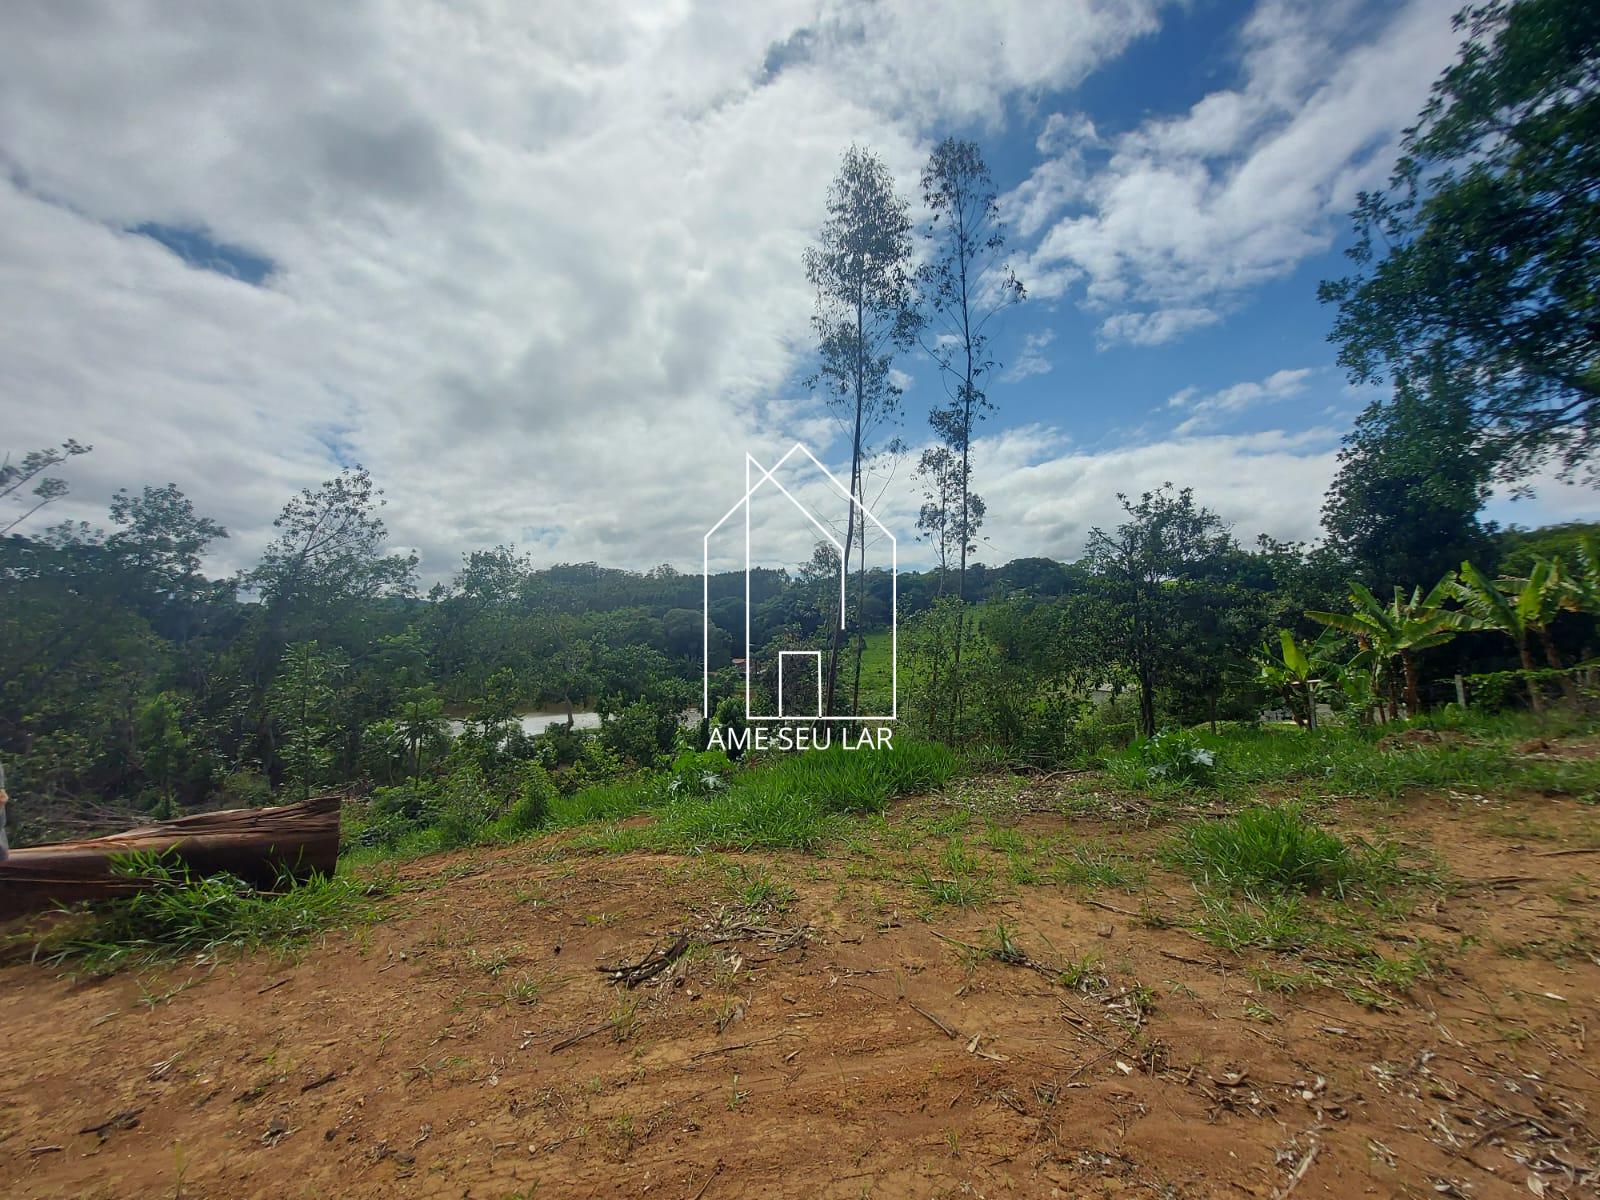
[(1093, 867), (184, 915), (796, 802), (1266, 849), (877, 672), (1476, 751)]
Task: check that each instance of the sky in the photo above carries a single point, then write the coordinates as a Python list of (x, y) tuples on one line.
[(538, 266)]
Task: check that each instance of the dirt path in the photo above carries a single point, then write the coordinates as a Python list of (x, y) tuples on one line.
[(834, 1044)]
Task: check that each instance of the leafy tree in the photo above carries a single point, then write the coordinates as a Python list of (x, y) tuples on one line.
[(304, 703), (329, 550), (1581, 582), (161, 743), (1518, 549), (1145, 569), (1481, 256), (1299, 673), (951, 513), (862, 271), (964, 284), (421, 725), (15, 476), (1411, 482)]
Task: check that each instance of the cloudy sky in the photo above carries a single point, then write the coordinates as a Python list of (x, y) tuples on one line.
[(538, 265)]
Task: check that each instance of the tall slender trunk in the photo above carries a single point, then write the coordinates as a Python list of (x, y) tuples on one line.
[(1535, 697), (966, 484), (861, 624), (850, 515), (1413, 692)]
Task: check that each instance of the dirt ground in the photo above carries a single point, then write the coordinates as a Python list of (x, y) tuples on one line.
[(841, 1043)]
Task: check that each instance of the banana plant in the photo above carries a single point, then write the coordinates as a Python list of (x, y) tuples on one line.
[(1297, 673), (1538, 599), (1514, 607), (1580, 584), (1396, 632)]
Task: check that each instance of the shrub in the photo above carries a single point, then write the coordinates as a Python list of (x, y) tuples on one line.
[(595, 764), (462, 813), (390, 814), (639, 733), (558, 746), (699, 773), (536, 791), (1173, 756), (1266, 848), (1100, 731), (245, 788)]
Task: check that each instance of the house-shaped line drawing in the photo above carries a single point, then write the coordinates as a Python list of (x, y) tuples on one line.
[(755, 477)]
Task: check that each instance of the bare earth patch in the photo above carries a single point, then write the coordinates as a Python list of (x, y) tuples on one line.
[(843, 1026)]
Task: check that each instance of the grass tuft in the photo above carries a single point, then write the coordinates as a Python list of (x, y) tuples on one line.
[(1266, 848)]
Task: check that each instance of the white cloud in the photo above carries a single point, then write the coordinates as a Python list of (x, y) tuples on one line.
[(1044, 494), (1031, 359), (1208, 409), (537, 266), (1154, 328), (1167, 225)]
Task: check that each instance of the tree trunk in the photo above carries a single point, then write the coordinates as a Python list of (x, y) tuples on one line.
[(1551, 656), (855, 490), (1413, 692), (1147, 703), (1535, 697)]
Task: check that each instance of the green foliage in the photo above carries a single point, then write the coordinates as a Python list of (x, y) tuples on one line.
[(303, 700), (1173, 756), (1395, 633), (245, 788), (699, 773), (605, 802), (536, 793), (1478, 260), (1412, 480), (1156, 604), (640, 732)]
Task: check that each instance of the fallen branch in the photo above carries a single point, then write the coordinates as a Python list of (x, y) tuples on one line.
[(945, 1029), (1215, 964), (777, 1037), (1124, 912), (126, 1119), (1299, 1172), (633, 974), (715, 1171), (575, 1038)]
